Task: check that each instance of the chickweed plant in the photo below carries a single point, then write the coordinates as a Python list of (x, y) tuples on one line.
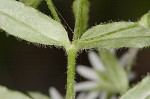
[(22, 20)]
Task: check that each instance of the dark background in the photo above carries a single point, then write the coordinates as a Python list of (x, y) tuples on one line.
[(25, 66)]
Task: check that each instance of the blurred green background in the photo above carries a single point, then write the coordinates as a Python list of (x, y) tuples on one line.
[(24, 66)]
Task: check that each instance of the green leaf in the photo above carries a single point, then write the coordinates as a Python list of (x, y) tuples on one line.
[(115, 35), (84, 15), (106, 29), (10, 94), (145, 20), (148, 97), (29, 24), (116, 74), (140, 91), (80, 9), (33, 3), (104, 86), (37, 95)]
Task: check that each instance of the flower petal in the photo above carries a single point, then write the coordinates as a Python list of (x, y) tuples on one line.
[(103, 95), (54, 93), (84, 86), (96, 61), (81, 96), (114, 97), (87, 73), (124, 59), (92, 95), (132, 76), (129, 57), (113, 51)]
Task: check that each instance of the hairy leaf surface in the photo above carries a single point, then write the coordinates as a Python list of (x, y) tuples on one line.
[(29, 24), (116, 35), (106, 29), (10, 94), (140, 91)]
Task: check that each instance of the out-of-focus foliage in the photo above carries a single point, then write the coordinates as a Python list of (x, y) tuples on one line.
[(140, 91), (10, 94), (37, 95), (33, 3), (116, 75)]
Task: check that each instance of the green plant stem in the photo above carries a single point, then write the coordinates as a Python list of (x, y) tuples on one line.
[(53, 11), (71, 72)]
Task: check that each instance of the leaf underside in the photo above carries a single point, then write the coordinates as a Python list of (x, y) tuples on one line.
[(29, 24)]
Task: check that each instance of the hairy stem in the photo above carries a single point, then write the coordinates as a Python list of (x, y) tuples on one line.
[(53, 11), (71, 72)]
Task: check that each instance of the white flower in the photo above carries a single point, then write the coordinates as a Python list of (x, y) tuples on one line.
[(93, 77), (54, 94)]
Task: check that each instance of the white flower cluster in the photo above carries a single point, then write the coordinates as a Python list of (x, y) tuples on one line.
[(93, 77)]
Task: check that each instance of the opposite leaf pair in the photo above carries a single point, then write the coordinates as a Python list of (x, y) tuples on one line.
[(33, 26)]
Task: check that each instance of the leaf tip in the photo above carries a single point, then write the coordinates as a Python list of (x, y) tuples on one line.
[(145, 20)]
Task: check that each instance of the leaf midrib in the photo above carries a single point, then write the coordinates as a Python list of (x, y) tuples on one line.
[(25, 24), (112, 32), (103, 40)]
